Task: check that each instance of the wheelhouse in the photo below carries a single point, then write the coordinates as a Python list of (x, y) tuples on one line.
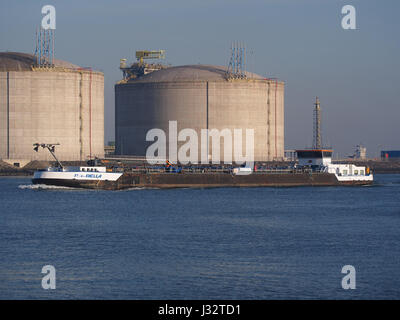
[(314, 158)]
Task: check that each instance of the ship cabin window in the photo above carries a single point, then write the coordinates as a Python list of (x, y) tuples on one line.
[(361, 172), (345, 172), (83, 169), (309, 154), (356, 172), (314, 154)]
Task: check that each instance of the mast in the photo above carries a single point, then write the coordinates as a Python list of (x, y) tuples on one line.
[(317, 125)]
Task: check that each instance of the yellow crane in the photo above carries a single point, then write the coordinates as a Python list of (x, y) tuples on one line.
[(149, 54)]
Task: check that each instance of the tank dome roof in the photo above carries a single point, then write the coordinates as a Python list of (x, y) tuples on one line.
[(18, 61), (190, 73)]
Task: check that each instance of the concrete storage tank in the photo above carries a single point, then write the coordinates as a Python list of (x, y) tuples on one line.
[(200, 97), (61, 104)]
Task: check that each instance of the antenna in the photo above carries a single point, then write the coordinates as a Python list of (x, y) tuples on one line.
[(237, 63), (317, 125), (44, 51)]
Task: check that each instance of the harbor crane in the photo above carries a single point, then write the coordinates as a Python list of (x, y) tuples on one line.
[(149, 54)]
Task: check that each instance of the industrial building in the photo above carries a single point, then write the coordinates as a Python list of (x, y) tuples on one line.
[(200, 97), (58, 103), (359, 153), (390, 155)]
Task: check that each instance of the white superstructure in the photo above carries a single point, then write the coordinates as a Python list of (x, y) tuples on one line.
[(77, 173), (350, 172), (321, 160)]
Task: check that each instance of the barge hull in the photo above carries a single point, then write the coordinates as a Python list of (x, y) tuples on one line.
[(205, 180)]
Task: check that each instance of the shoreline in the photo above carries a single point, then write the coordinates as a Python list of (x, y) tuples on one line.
[(16, 174)]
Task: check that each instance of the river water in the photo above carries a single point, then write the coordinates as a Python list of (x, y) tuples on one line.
[(224, 243)]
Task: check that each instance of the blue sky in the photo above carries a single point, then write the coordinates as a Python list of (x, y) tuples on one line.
[(354, 72)]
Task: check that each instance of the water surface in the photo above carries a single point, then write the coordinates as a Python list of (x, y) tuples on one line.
[(226, 243)]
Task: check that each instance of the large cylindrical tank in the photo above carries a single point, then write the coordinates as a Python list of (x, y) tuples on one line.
[(62, 104), (200, 97)]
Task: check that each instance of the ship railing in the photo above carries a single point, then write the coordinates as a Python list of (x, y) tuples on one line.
[(226, 170)]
